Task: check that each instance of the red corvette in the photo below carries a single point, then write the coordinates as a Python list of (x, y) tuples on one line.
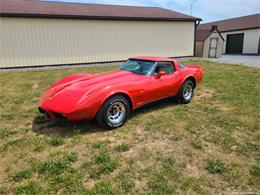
[(110, 97)]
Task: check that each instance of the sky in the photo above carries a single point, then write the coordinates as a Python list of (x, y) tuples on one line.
[(208, 10)]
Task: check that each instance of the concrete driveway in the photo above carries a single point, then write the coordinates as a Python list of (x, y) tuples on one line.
[(246, 60)]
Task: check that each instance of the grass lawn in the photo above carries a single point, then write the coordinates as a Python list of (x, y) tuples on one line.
[(209, 146)]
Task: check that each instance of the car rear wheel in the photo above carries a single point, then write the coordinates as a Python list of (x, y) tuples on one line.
[(186, 92), (114, 112)]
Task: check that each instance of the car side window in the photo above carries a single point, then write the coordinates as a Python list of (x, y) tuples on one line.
[(165, 66)]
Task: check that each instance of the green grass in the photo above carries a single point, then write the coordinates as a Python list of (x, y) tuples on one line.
[(100, 144), (215, 166), (211, 145), (122, 147), (255, 174), (23, 174), (6, 132), (56, 141), (59, 172), (28, 188), (105, 164), (197, 144)]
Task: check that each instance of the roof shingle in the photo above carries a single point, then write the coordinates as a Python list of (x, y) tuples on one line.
[(203, 34), (240, 23), (29, 8)]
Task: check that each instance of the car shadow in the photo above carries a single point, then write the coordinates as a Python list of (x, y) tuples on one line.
[(60, 128), (154, 106), (41, 124)]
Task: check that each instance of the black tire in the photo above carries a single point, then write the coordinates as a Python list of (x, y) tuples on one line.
[(181, 98), (105, 113)]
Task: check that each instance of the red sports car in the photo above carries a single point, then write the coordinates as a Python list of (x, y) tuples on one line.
[(110, 97)]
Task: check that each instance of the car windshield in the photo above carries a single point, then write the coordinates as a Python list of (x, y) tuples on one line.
[(141, 67)]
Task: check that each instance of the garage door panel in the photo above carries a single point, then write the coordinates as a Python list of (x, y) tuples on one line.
[(235, 43)]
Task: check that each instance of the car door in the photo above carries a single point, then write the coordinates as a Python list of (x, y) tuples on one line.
[(161, 86)]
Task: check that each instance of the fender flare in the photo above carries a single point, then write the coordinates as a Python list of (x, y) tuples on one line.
[(118, 92), (192, 77)]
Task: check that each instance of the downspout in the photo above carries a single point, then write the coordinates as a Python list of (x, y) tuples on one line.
[(196, 24)]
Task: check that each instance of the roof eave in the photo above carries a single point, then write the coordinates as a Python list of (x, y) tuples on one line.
[(32, 15), (239, 29)]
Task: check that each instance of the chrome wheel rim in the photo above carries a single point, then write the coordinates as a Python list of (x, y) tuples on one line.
[(187, 92), (116, 112)]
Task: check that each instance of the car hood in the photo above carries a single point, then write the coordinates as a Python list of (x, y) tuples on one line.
[(66, 94)]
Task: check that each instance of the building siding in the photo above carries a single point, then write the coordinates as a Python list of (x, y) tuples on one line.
[(38, 41), (251, 40)]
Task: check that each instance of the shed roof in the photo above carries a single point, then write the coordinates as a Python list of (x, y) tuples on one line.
[(30, 8), (233, 24), (203, 34)]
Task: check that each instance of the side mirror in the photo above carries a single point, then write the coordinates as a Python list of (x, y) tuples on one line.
[(162, 72), (158, 75)]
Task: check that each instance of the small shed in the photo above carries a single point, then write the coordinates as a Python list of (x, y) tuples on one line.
[(209, 43)]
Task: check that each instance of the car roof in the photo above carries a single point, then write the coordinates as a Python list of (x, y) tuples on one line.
[(151, 58)]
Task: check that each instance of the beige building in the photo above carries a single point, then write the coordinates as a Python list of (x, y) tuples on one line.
[(209, 43), (250, 40), (37, 33), (241, 35)]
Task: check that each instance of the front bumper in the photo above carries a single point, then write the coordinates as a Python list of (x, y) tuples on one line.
[(52, 115), (76, 116)]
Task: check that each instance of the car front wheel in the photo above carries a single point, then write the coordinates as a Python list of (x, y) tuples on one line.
[(114, 112)]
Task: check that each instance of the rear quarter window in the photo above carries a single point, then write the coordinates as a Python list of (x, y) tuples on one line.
[(182, 65)]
